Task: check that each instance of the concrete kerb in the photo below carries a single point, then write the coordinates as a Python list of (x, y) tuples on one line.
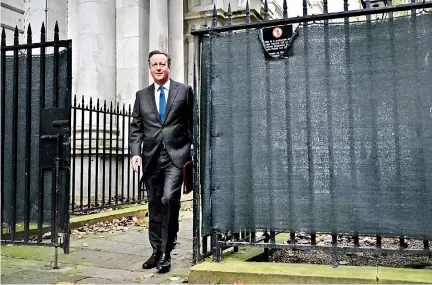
[(139, 211), (235, 266)]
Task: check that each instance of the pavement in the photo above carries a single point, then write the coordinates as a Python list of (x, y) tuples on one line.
[(99, 258)]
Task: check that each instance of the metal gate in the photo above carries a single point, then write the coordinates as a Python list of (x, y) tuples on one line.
[(324, 128), (35, 139)]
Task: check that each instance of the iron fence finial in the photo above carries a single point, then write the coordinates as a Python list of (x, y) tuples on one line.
[(285, 9), (56, 32), (43, 33), (29, 34), (16, 33), (247, 12), (266, 11), (229, 14), (3, 37), (325, 6), (305, 9), (345, 5), (214, 17)]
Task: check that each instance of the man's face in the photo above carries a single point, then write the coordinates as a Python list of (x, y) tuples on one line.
[(159, 68)]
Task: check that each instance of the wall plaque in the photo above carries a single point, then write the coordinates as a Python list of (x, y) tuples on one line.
[(277, 40)]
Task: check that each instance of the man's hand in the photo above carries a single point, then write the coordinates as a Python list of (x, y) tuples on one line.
[(135, 162)]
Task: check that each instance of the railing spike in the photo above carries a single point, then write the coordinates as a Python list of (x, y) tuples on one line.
[(43, 33), (305, 9), (266, 11), (229, 14), (56, 32), (214, 17), (3, 37), (325, 3), (345, 5), (16, 41), (247, 12), (285, 9), (29, 34)]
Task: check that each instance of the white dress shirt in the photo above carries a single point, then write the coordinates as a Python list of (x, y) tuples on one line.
[(166, 86)]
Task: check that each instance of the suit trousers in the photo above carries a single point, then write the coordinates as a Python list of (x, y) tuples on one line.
[(163, 180)]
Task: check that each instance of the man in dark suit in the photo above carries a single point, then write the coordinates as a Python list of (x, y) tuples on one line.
[(162, 124)]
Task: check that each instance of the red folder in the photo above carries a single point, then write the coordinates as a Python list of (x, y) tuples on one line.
[(188, 177)]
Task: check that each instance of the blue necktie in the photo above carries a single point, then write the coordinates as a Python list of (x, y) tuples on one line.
[(162, 103)]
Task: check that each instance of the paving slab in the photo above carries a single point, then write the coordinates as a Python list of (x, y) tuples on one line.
[(40, 277), (114, 259)]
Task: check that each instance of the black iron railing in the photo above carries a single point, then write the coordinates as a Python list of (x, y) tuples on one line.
[(35, 125), (211, 240), (101, 175)]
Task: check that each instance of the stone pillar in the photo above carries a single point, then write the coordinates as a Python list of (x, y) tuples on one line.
[(47, 11), (176, 40), (158, 27), (73, 34), (97, 49), (132, 32)]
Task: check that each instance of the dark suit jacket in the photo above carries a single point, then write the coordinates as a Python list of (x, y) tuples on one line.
[(148, 130)]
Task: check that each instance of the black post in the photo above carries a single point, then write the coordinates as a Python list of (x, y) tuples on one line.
[(368, 6), (266, 11), (14, 136), (390, 3), (313, 239), (128, 167), (285, 9), (42, 106), (56, 66), (345, 5), (3, 110), (378, 241), (103, 152), (305, 9), (28, 136), (74, 151), (89, 173), (66, 225), (123, 154), (82, 155), (292, 237), (110, 154), (117, 154), (97, 154)]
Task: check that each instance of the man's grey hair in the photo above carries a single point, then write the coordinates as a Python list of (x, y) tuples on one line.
[(152, 53)]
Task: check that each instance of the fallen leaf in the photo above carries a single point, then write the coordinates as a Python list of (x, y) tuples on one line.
[(146, 276), (238, 282), (174, 278)]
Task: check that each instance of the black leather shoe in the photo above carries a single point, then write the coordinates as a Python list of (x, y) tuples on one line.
[(152, 261), (164, 264)]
